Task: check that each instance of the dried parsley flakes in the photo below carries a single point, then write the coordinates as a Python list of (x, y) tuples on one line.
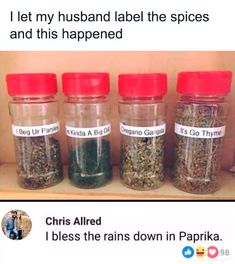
[(39, 161)]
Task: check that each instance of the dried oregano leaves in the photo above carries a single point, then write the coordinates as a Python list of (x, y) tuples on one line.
[(197, 160), (39, 161), (90, 163), (142, 163)]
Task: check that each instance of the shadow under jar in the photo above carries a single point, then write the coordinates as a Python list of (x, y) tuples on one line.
[(200, 127), (87, 128), (142, 128), (35, 124)]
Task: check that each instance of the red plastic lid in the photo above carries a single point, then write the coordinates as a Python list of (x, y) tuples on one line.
[(76, 83), (31, 84), (204, 82), (142, 85)]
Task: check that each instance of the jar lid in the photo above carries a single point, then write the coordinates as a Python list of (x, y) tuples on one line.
[(76, 83), (142, 85), (204, 82), (31, 84)]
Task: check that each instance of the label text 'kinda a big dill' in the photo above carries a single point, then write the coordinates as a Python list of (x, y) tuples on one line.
[(88, 132)]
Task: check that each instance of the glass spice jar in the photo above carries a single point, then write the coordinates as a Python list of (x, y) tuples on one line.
[(87, 128), (35, 124), (200, 127), (142, 128)]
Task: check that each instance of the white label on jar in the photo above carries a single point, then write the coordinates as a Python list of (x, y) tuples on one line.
[(92, 132), (199, 132), (134, 131), (35, 131)]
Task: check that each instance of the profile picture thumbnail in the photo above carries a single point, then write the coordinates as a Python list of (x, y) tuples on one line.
[(16, 224)]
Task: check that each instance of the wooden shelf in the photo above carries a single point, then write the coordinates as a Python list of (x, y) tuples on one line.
[(115, 190)]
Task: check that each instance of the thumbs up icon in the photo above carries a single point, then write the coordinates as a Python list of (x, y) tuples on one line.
[(188, 252)]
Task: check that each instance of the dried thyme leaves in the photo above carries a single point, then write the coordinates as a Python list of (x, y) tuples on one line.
[(197, 160), (90, 164), (142, 163), (39, 162)]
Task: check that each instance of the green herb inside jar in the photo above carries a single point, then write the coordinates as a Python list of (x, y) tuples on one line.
[(90, 163)]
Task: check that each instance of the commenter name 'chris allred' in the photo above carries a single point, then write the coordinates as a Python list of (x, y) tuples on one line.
[(82, 221)]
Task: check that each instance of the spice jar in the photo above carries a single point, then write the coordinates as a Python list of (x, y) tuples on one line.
[(200, 127), (87, 128), (142, 128), (34, 114)]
